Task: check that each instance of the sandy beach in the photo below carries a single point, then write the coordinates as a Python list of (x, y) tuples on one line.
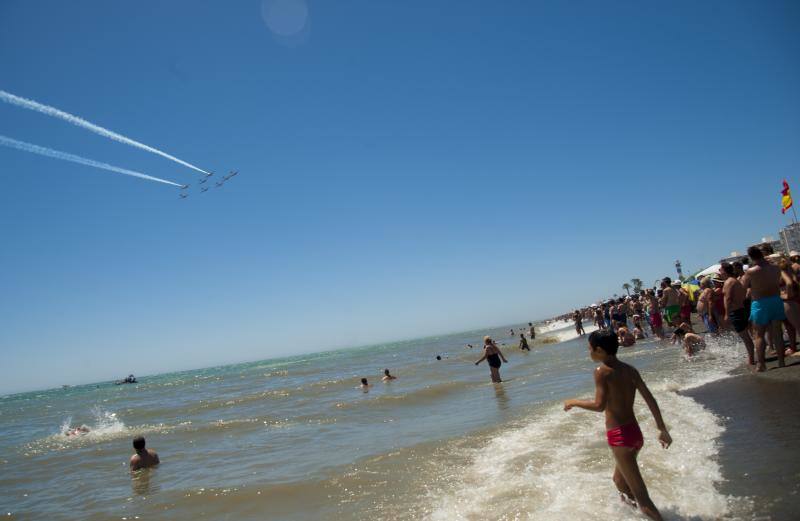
[(758, 451)]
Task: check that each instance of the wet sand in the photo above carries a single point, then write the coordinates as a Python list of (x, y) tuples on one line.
[(759, 449)]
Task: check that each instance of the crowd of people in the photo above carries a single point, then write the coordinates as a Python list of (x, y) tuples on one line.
[(757, 297)]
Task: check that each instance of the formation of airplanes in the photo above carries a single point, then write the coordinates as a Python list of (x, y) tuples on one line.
[(225, 178)]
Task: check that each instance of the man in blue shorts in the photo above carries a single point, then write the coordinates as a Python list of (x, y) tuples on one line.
[(766, 311)]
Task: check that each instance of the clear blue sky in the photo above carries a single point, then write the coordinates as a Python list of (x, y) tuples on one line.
[(407, 168)]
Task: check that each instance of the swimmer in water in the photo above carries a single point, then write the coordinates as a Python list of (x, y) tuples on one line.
[(388, 377), (77, 431), (692, 342), (626, 338), (365, 385), (144, 457)]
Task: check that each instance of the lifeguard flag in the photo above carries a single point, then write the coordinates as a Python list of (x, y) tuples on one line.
[(786, 200)]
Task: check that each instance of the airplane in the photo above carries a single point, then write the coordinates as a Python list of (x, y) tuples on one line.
[(220, 183), (209, 174), (183, 196), (233, 173), (184, 187), (204, 189), (203, 180)]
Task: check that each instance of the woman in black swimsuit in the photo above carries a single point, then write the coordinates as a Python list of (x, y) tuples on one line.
[(492, 354)]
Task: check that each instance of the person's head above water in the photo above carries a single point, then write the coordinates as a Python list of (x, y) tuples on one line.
[(438, 357), (386, 372), (605, 341), (138, 443), (364, 381)]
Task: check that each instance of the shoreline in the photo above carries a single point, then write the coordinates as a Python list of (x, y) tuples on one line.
[(758, 453)]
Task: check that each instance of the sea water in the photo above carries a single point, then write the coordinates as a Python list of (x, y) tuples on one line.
[(296, 438)]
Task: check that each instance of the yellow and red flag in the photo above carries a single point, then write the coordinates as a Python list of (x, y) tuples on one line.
[(786, 200)]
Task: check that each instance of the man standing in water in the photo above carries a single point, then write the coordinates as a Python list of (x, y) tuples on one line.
[(532, 331), (616, 384), (670, 302), (578, 318), (492, 354), (734, 295), (523, 344), (766, 311), (144, 457)]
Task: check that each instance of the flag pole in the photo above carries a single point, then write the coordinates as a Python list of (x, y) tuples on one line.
[(795, 214)]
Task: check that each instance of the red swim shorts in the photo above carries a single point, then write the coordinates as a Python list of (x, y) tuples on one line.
[(655, 319), (626, 436)]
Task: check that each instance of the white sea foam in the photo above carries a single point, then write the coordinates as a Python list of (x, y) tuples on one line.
[(105, 424), (571, 334), (557, 465), (554, 326)]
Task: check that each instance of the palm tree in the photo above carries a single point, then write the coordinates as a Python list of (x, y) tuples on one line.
[(627, 287), (637, 285)]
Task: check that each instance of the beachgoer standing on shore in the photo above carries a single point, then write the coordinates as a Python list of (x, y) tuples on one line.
[(670, 302), (144, 457), (616, 384), (493, 355), (705, 303), (739, 317), (684, 301), (523, 344), (766, 310)]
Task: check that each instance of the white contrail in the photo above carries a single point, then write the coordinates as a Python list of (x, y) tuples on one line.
[(80, 122), (49, 152)]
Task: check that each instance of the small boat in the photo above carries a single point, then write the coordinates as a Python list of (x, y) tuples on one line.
[(130, 379)]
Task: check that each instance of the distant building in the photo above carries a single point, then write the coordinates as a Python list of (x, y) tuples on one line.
[(790, 238)]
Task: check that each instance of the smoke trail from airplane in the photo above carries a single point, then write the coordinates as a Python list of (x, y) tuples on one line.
[(55, 154), (80, 122)]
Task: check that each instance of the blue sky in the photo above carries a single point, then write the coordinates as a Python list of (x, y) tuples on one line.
[(407, 168)]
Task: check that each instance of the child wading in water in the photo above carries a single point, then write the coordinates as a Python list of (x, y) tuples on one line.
[(616, 384)]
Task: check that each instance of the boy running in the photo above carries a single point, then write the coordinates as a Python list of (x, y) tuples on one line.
[(616, 384)]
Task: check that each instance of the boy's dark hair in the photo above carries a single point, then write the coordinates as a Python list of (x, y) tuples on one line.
[(364, 381), (754, 252), (766, 249), (727, 267), (679, 332), (605, 340), (138, 443), (667, 281), (386, 372)]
